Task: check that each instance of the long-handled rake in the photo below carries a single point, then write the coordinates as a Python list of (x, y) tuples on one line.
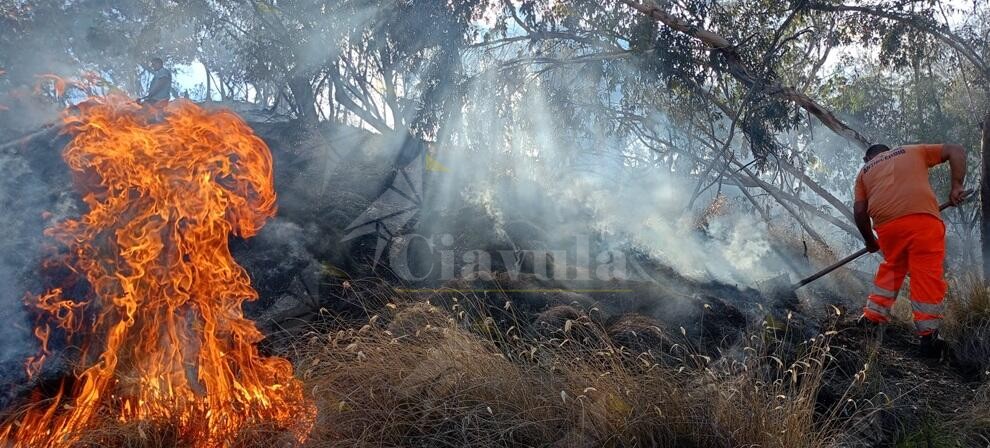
[(781, 287)]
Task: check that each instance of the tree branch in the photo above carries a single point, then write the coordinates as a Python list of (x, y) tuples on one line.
[(948, 37), (739, 70)]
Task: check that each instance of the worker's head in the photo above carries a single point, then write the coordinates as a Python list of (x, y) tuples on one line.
[(157, 63), (875, 150)]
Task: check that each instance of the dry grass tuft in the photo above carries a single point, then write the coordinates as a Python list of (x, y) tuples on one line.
[(640, 334), (975, 424), (451, 385), (132, 434), (967, 325), (419, 375)]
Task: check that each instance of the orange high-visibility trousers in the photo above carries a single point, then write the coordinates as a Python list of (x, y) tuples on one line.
[(911, 245)]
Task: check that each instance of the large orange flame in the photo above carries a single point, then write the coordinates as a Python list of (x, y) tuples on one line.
[(162, 336)]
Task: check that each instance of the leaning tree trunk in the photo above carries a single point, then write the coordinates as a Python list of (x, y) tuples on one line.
[(985, 197), (302, 93)]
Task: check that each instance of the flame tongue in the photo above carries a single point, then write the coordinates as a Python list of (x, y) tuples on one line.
[(162, 333)]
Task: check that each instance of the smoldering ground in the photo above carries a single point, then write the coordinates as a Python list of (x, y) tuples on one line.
[(31, 199), (492, 185), (518, 165)]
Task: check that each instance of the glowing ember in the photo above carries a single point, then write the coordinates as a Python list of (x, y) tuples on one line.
[(161, 335)]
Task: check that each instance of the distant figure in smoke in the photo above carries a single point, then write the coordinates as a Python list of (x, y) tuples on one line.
[(160, 89), (893, 190)]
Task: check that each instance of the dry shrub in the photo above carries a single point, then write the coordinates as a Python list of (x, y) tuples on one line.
[(144, 434), (766, 394), (111, 432), (555, 317), (446, 385), (107, 430), (639, 333), (967, 325), (801, 243), (974, 424), (415, 318), (417, 375), (718, 207)]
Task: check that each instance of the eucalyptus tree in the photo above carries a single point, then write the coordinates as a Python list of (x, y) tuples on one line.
[(646, 71), (727, 93), (383, 65), (102, 41), (66, 37), (756, 66), (925, 37)]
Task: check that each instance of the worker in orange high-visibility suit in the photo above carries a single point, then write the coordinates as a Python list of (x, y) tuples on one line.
[(893, 190)]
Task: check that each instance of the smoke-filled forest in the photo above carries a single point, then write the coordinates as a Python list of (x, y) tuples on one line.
[(478, 223)]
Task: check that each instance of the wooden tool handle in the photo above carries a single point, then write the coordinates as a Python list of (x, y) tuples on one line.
[(859, 253)]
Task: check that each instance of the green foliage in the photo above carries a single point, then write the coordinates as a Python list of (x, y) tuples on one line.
[(602, 74)]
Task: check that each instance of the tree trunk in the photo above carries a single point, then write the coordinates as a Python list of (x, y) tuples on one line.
[(985, 198), (302, 93), (209, 96)]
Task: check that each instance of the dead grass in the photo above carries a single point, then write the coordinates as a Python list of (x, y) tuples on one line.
[(418, 375), (423, 376), (967, 325), (974, 425), (463, 382)]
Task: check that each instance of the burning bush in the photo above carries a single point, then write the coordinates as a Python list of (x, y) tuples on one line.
[(150, 294)]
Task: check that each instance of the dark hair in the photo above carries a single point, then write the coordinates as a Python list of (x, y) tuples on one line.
[(872, 151), (157, 61)]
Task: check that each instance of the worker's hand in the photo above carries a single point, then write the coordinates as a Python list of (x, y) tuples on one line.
[(958, 195), (873, 246)]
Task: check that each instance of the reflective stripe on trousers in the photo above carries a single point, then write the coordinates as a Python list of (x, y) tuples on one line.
[(911, 245)]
